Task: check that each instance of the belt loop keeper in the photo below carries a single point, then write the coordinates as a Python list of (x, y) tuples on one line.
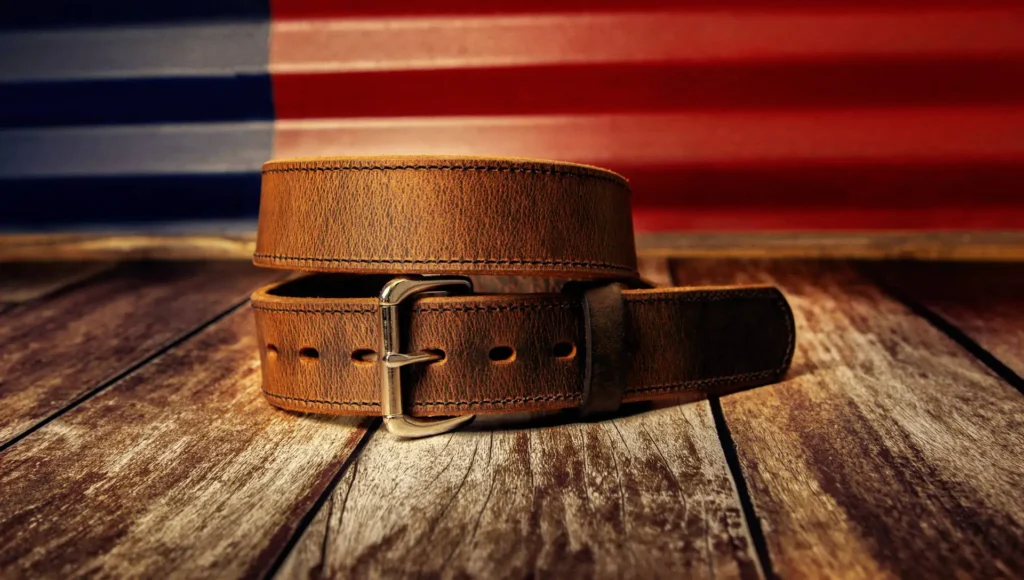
[(605, 349)]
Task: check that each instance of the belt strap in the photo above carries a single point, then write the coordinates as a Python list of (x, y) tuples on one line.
[(426, 215), (352, 218)]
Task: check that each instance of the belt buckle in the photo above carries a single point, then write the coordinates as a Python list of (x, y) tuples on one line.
[(392, 360)]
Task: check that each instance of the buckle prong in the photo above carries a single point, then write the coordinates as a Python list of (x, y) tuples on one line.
[(392, 359)]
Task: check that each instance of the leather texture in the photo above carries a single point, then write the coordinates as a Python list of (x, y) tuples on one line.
[(606, 349), (357, 218), (416, 215)]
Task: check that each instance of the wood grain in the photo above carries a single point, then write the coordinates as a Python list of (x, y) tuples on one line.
[(239, 244), (889, 451), (880, 245), (654, 269), (128, 246), (181, 469), (54, 351), (984, 301), (645, 495), (648, 494), (21, 282)]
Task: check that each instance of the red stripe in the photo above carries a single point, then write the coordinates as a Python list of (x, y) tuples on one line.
[(587, 89), (890, 187), (743, 116), (972, 217), (287, 9), (849, 169)]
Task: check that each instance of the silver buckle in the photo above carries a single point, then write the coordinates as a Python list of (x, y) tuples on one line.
[(391, 360)]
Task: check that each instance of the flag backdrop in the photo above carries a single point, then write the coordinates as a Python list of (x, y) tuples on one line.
[(725, 115)]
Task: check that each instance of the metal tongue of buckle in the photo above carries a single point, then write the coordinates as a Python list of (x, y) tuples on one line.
[(392, 360)]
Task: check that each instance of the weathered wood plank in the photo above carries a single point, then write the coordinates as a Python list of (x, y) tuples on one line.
[(643, 495), (655, 270), (874, 245), (55, 351), (237, 241), (180, 469), (984, 301), (21, 282), (889, 451)]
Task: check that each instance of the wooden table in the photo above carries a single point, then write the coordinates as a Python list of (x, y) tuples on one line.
[(134, 442)]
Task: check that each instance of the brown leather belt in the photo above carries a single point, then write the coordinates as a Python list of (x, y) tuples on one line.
[(389, 234)]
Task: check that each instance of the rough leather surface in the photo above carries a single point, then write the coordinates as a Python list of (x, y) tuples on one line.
[(606, 349), (451, 214), (715, 340), (470, 216)]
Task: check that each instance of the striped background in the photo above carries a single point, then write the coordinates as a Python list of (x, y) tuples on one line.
[(726, 115)]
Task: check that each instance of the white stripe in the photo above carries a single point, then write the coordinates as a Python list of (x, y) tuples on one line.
[(136, 51), (135, 150)]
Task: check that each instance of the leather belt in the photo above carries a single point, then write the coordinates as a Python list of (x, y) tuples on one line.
[(389, 325)]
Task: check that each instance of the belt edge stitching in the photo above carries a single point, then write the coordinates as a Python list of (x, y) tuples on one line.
[(688, 296), (509, 261), (622, 183), (684, 386)]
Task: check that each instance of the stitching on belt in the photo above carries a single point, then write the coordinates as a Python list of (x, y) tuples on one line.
[(509, 261), (485, 168), (513, 307), (315, 311), (552, 397)]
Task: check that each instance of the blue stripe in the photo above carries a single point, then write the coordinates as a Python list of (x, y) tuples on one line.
[(195, 49), (145, 149), (49, 203), (123, 101), (63, 13)]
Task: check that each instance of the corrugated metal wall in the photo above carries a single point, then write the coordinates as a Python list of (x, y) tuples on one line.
[(737, 115)]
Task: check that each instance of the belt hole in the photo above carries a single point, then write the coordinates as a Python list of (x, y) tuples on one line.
[(271, 351), (439, 353), (502, 354), (563, 350), (364, 356), (309, 353)]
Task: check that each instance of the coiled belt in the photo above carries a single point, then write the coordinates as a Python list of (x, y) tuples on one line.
[(389, 324)]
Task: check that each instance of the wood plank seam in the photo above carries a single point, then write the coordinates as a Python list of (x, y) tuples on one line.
[(569, 504), (750, 517), (538, 495), (114, 379), (193, 473), (950, 329), (73, 284), (120, 318), (321, 500), (61, 285), (889, 451)]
